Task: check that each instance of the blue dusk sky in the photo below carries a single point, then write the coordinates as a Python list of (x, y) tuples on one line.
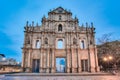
[(105, 14)]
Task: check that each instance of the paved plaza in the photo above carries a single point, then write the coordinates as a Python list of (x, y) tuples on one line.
[(30, 76)]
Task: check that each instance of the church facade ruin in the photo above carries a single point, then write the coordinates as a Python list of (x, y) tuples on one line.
[(59, 45)]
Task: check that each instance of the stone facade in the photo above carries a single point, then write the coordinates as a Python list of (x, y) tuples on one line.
[(59, 36)]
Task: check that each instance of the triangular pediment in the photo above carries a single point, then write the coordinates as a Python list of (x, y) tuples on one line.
[(60, 10)]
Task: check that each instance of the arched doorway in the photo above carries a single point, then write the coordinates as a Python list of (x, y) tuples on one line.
[(60, 65)]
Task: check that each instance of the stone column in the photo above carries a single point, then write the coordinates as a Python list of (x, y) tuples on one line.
[(53, 61), (29, 69), (79, 62), (26, 65), (26, 61), (89, 59), (95, 55), (67, 53), (41, 62), (28, 58), (41, 52), (96, 60), (44, 60), (68, 62), (72, 55), (76, 59), (48, 61)]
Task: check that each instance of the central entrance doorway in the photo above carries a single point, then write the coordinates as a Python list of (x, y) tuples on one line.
[(35, 65), (60, 65)]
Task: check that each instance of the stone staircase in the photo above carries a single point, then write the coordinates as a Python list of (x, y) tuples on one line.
[(61, 76)]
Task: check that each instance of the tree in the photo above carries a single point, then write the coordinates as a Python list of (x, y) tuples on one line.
[(108, 52)]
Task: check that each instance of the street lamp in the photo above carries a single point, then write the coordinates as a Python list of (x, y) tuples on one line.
[(108, 59), (104, 59)]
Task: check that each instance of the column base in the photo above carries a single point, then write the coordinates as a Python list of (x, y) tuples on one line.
[(53, 70), (41, 70), (92, 69), (79, 70), (68, 70), (97, 69), (47, 70), (73, 70)]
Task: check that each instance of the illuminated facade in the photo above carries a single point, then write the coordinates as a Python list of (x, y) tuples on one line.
[(59, 37)]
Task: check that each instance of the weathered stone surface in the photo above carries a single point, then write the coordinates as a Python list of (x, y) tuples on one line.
[(77, 45), (88, 76)]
